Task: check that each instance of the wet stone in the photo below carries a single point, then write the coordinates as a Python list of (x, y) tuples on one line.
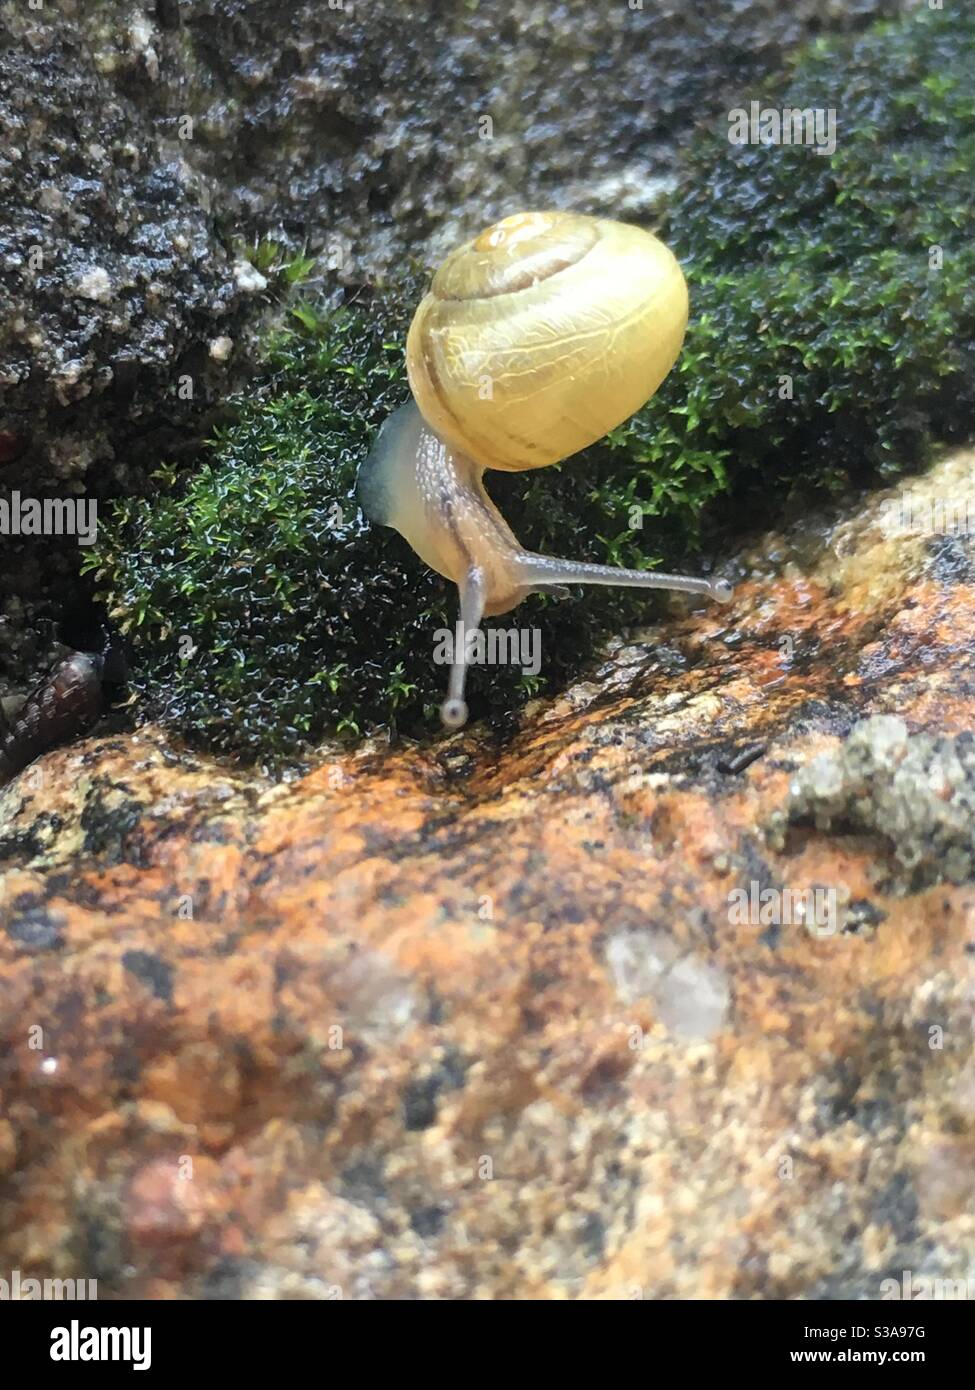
[(500, 1033)]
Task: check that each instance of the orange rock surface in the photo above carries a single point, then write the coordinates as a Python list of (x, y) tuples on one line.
[(477, 1020)]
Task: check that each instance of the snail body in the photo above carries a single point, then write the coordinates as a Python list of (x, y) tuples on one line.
[(536, 339), (65, 703)]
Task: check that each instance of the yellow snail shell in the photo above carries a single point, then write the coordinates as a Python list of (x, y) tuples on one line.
[(544, 333)]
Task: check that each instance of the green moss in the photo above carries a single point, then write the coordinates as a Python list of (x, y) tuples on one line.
[(265, 612)]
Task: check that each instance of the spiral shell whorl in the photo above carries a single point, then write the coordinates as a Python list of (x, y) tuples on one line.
[(542, 334), (514, 255)]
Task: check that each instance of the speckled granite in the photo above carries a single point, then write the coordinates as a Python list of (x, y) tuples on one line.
[(479, 1021)]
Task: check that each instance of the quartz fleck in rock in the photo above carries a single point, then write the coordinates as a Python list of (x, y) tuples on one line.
[(95, 284), (690, 995), (248, 278), (221, 348)]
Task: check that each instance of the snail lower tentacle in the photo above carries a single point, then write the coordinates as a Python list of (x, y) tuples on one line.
[(66, 703), (542, 571)]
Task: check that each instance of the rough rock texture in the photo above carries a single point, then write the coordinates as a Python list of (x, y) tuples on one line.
[(114, 289), (113, 280), (147, 145), (471, 1020), (379, 130)]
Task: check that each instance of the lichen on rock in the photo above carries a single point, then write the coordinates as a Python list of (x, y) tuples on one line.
[(915, 791)]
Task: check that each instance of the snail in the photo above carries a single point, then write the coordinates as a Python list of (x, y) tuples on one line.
[(67, 702), (535, 339)]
